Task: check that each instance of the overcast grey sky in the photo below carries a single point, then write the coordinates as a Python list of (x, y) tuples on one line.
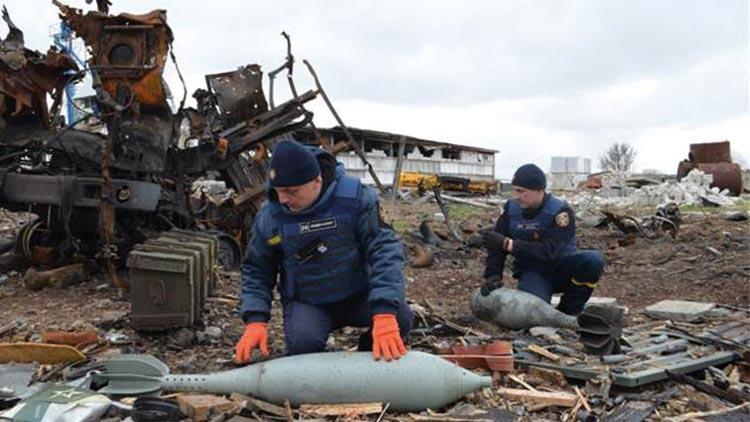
[(532, 79)]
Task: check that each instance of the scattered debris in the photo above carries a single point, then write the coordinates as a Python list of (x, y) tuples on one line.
[(60, 277), (350, 410), (533, 348), (46, 354), (496, 356), (201, 407), (737, 216), (423, 256), (156, 408), (540, 397), (60, 402), (79, 340), (694, 188), (715, 159), (15, 379)]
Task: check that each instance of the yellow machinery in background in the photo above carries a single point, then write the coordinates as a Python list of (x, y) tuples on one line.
[(427, 181)]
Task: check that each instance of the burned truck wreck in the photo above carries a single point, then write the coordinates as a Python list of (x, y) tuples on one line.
[(98, 193)]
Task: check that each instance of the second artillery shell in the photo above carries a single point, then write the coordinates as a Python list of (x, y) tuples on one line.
[(517, 310)]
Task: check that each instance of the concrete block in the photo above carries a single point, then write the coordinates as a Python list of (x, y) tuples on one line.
[(679, 310)]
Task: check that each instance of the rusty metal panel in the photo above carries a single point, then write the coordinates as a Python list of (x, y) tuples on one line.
[(711, 152), (726, 175), (238, 94), (128, 51), (27, 77)]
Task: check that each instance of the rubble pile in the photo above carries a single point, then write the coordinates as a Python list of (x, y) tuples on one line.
[(694, 189)]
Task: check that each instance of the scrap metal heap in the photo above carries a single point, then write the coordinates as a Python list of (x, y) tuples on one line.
[(135, 178), (26, 78)]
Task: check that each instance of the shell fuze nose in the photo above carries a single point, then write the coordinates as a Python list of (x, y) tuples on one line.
[(529, 176), (292, 164)]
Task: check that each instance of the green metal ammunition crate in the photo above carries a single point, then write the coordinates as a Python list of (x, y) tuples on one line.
[(161, 290)]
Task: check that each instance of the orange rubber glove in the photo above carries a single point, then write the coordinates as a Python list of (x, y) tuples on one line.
[(256, 336), (386, 339)]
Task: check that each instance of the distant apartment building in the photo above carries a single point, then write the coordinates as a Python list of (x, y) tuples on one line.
[(568, 172)]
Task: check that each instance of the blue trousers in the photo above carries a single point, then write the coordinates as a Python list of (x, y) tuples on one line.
[(574, 276), (307, 327)]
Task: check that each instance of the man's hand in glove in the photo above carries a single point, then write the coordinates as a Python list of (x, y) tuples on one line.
[(492, 240), (256, 336), (386, 338), (490, 284)]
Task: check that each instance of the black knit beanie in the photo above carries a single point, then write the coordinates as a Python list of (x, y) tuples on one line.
[(529, 176), (292, 164)]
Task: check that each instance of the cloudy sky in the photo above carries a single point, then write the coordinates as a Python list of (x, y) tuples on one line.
[(531, 79)]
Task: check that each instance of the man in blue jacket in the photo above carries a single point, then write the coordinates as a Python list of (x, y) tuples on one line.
[(321, 234), (538, 229)]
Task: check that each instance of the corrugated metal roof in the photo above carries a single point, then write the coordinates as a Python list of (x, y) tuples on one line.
[(394, 138)]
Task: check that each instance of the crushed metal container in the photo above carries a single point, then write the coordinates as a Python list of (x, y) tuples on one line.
[(171, 277), (714, 158)]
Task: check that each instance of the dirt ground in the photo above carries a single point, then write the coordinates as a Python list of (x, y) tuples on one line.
[(708, 261)]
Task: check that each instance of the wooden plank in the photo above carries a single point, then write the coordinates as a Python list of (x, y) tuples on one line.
[(254, 403), (735, 397), (741, 411), (561, 398), (522, 382), (540, 376), (583, 399), (352, 409), (635, 411), (533, 348)]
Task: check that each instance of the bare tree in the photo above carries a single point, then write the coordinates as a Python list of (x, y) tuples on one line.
[(736, 157), (619, 157)]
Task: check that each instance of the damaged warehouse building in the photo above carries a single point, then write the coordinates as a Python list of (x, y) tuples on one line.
[(120, 269), (419, 156)]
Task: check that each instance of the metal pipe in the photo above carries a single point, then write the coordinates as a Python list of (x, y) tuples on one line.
[(357, 147)]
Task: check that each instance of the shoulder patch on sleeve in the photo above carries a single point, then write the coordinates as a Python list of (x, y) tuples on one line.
[(273, 241), (562, 219)]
